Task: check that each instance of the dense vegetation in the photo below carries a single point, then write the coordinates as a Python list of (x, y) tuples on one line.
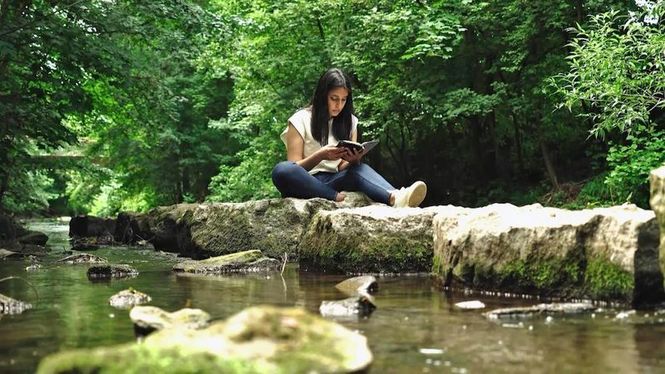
[(109, 105)]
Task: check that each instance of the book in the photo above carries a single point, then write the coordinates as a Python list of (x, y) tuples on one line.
[(366, 146)]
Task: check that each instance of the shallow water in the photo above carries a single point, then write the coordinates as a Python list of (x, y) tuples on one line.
[(415, 329)]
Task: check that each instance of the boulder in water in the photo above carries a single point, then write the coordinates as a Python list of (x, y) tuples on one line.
[(150, 318), (128, 298), (108, 271)]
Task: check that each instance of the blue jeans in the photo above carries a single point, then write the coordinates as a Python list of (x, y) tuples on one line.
[(292, 180)]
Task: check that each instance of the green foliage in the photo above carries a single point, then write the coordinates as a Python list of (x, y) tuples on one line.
[(617, 79)]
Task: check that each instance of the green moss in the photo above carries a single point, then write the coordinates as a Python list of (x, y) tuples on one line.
[(605, 280), (356, 252), (140, 359)]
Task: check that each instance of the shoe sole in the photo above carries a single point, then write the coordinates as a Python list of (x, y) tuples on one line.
[(418, 194)]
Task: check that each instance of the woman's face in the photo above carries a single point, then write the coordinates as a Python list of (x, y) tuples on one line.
[(336, 100)]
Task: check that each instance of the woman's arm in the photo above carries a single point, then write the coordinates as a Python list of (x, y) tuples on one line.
[(295, 150)]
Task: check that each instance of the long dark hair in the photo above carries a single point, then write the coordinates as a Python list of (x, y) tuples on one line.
[(341, 128)]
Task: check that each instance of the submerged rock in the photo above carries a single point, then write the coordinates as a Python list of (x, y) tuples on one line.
[(247, 261), (540, 309), (373, 239), (82, 258), (128, 298), (360, 305), (257, 340), (12, 306), (108, 271), (362, 285), (603, 253), (150, 318)]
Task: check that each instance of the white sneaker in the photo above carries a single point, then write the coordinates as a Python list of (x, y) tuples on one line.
[(411, 196)]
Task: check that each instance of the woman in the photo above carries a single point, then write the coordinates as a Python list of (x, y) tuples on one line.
[(317, 168)]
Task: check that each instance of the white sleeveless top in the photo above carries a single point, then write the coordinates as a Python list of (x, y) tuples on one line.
[(301, 120)]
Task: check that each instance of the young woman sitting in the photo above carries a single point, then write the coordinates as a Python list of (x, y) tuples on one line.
[(316, 167)]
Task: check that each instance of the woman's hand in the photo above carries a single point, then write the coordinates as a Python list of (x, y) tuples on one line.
[(330, 152), (353, 156)]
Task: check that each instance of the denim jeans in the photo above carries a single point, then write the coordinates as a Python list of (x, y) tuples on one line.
[(292, 180)]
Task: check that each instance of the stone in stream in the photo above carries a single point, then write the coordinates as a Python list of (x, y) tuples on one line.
[(33, 237), (82, 258), (148, 319), (371, 239), (472, 304), (362, 285), (263, 339), (540, 309), (12, 306), (600, 254), (128, 298), (247, 261), (108, 271), (355, 306), (5, 253)]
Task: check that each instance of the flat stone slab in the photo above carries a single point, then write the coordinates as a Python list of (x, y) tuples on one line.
[(372, 239), (247, 261), (126, 299), (604, 253), (257, 340), (540, 309), (9, 305), (108, 271), (470, 305)]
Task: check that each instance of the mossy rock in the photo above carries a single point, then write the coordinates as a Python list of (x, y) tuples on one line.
[(261, 339), (375, 239)]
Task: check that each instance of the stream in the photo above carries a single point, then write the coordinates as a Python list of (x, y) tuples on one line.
[(416, 327)]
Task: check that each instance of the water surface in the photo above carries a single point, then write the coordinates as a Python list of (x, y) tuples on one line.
[(415, 329)]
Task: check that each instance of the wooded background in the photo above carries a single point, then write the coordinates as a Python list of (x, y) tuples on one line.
[(109, 105)]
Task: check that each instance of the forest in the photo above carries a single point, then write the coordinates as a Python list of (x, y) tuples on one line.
[(116, 105)]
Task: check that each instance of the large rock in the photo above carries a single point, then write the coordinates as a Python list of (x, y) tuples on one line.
[(373, 239), (256, 340), (657, 202), (273, 226), (604, 253), (91, 226)]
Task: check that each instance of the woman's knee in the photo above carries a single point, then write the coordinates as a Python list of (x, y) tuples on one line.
[(283, 170)]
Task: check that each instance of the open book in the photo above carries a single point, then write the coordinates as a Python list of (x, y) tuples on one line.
[(366, 146)]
